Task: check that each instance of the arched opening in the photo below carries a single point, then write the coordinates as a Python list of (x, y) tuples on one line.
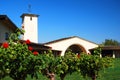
[(76, 48)]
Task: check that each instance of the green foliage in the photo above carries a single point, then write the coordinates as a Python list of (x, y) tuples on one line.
[(69, 64), (111, 42), (17, 61), (111, 73), (90, 65), (54, 65), (60, 65), (72, 60), (97, 51), (51, 63)]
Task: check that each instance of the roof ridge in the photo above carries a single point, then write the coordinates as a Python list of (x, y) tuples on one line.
[(57, 40)]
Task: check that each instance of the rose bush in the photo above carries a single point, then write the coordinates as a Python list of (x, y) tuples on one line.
[(17, 59)]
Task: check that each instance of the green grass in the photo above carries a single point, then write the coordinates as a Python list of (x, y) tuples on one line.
[(112, 73)]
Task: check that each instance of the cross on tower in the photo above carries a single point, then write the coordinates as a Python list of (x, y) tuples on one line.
[(29, 8)]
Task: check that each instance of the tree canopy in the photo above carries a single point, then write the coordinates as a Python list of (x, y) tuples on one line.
[(111, 42)]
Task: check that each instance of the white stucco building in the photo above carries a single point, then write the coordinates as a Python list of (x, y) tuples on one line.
[(30, 25), (76, 44), (6, 28)]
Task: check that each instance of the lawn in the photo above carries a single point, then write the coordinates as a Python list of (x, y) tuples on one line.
[(112, 73)]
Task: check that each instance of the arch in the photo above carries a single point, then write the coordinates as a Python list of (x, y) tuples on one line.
[(75, 43), (76, 48)]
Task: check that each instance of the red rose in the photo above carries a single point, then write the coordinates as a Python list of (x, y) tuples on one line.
[(30, 48), (27, 41), (5, 45), (35, 53)]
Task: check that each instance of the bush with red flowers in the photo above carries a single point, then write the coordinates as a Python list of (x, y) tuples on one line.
[(17, 59)]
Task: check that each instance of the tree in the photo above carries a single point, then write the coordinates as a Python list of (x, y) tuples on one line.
[(90, 65), (110, 42)]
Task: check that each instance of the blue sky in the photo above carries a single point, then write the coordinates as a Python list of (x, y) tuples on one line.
[(94, 20)]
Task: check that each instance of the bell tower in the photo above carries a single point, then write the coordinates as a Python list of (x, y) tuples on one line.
[(30, 26)]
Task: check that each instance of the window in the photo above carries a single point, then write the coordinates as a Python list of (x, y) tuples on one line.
[(6, 36), (31, 18)]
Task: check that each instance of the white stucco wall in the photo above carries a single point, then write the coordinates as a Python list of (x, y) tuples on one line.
[(4, 29), (31, 29), (64, 44)]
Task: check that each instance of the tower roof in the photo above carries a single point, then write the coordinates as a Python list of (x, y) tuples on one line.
[(28, 14)]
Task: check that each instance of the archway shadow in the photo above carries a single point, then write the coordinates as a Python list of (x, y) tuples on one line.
[(76, 48)]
